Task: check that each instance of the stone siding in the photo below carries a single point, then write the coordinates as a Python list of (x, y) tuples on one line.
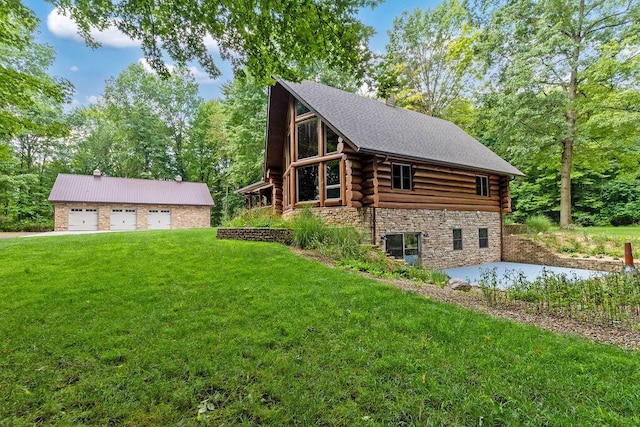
[(522, 249), (338, 215), (181, 216), (437, 227), (279, 235)]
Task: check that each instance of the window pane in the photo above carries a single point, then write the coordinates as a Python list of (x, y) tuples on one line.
[(330, 140), (401, 177), (457, 239), (307, 178), (333, 172), (394, 245), (396, 173), (482, 185), (301, 108), (333, 193), (406, 177), (411, 244), (307, 133), (483, 234)]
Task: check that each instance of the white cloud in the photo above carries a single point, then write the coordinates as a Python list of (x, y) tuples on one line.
[(63, 27), (94, 99), (201, 77), (74, 68), (210, 43)]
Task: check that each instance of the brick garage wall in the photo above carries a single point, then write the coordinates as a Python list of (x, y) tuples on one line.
[(181, 216), (190, 217), (279, 235), (522, 249), (437, 227)]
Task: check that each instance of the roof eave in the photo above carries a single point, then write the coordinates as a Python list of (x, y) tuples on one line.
[(514, 173)]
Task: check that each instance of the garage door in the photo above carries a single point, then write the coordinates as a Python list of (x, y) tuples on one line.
[(159, 219), (123, 219), (83, 219)]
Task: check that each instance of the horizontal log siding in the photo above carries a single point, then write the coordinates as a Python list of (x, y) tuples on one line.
[(434, 187)]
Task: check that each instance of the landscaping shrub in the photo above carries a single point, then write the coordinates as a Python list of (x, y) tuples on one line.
[(257, 218), (538, 223)]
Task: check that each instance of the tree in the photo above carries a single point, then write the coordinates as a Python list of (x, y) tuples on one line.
[(153, 117), (430, 58), (558, 59), (267, 37), (23, 78)]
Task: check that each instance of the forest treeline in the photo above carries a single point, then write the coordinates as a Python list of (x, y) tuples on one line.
[(552, 86)]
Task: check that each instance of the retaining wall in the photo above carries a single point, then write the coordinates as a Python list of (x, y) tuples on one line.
[(522, 249), (279, 235)]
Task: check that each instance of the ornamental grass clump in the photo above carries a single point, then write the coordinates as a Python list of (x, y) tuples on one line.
[(612, 298), (538, 224)]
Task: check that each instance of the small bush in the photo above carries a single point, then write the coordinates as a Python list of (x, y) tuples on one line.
[(538, 224), (257, 218)]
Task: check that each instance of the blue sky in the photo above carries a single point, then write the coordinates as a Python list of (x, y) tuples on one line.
[(88, 69)]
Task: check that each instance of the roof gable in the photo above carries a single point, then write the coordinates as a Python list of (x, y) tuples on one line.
[(103, 189), (372, 126)]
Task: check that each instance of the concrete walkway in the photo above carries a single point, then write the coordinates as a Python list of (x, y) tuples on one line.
[(473, 273)]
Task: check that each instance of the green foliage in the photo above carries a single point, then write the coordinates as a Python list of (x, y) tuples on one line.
[(538, 224), (257, 335), (257, 218), (24, 81), (429, 60), (266, 38)]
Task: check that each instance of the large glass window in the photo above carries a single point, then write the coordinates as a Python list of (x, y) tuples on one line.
[(482, 185), (400, 176), (307, 183), (330, 140), (307, 137), (483, 237), (457, 239), (332, 179)]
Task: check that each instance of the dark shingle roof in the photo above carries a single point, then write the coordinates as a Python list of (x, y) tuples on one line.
[(372, 126), (103, 189)]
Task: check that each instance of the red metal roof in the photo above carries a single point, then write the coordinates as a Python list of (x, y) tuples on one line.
[(103, 189)]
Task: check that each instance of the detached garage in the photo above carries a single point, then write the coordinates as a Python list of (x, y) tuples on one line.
[(95, 203)]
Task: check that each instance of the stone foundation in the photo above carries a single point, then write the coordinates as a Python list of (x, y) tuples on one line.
[(181, 216), (437, 227)]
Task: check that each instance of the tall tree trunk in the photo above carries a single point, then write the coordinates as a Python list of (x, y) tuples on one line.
[(572, 120)]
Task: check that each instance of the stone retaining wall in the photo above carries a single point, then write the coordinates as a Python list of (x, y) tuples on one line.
[(279, 235), (522, 249)]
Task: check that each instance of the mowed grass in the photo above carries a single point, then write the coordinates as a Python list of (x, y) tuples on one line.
[(629, 232), (178, 328)]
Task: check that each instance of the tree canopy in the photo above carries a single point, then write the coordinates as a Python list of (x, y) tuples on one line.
[(265, 37)]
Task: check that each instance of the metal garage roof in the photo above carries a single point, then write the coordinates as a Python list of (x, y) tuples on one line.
[(103, 189)]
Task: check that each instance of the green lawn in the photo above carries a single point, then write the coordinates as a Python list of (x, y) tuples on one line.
[(146, 328), (630, 232)]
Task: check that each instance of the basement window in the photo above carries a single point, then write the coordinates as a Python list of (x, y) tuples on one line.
[(482, 185), (457, 239), (400, 176), (483, 237)]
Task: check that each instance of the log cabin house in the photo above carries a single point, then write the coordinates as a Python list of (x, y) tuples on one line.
[(422, 188)]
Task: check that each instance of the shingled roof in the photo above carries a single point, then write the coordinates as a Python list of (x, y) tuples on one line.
[(103, 189), (371, 126)]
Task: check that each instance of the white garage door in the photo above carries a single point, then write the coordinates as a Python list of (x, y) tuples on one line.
[(159, 219), (123, 219), (83, 219)]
